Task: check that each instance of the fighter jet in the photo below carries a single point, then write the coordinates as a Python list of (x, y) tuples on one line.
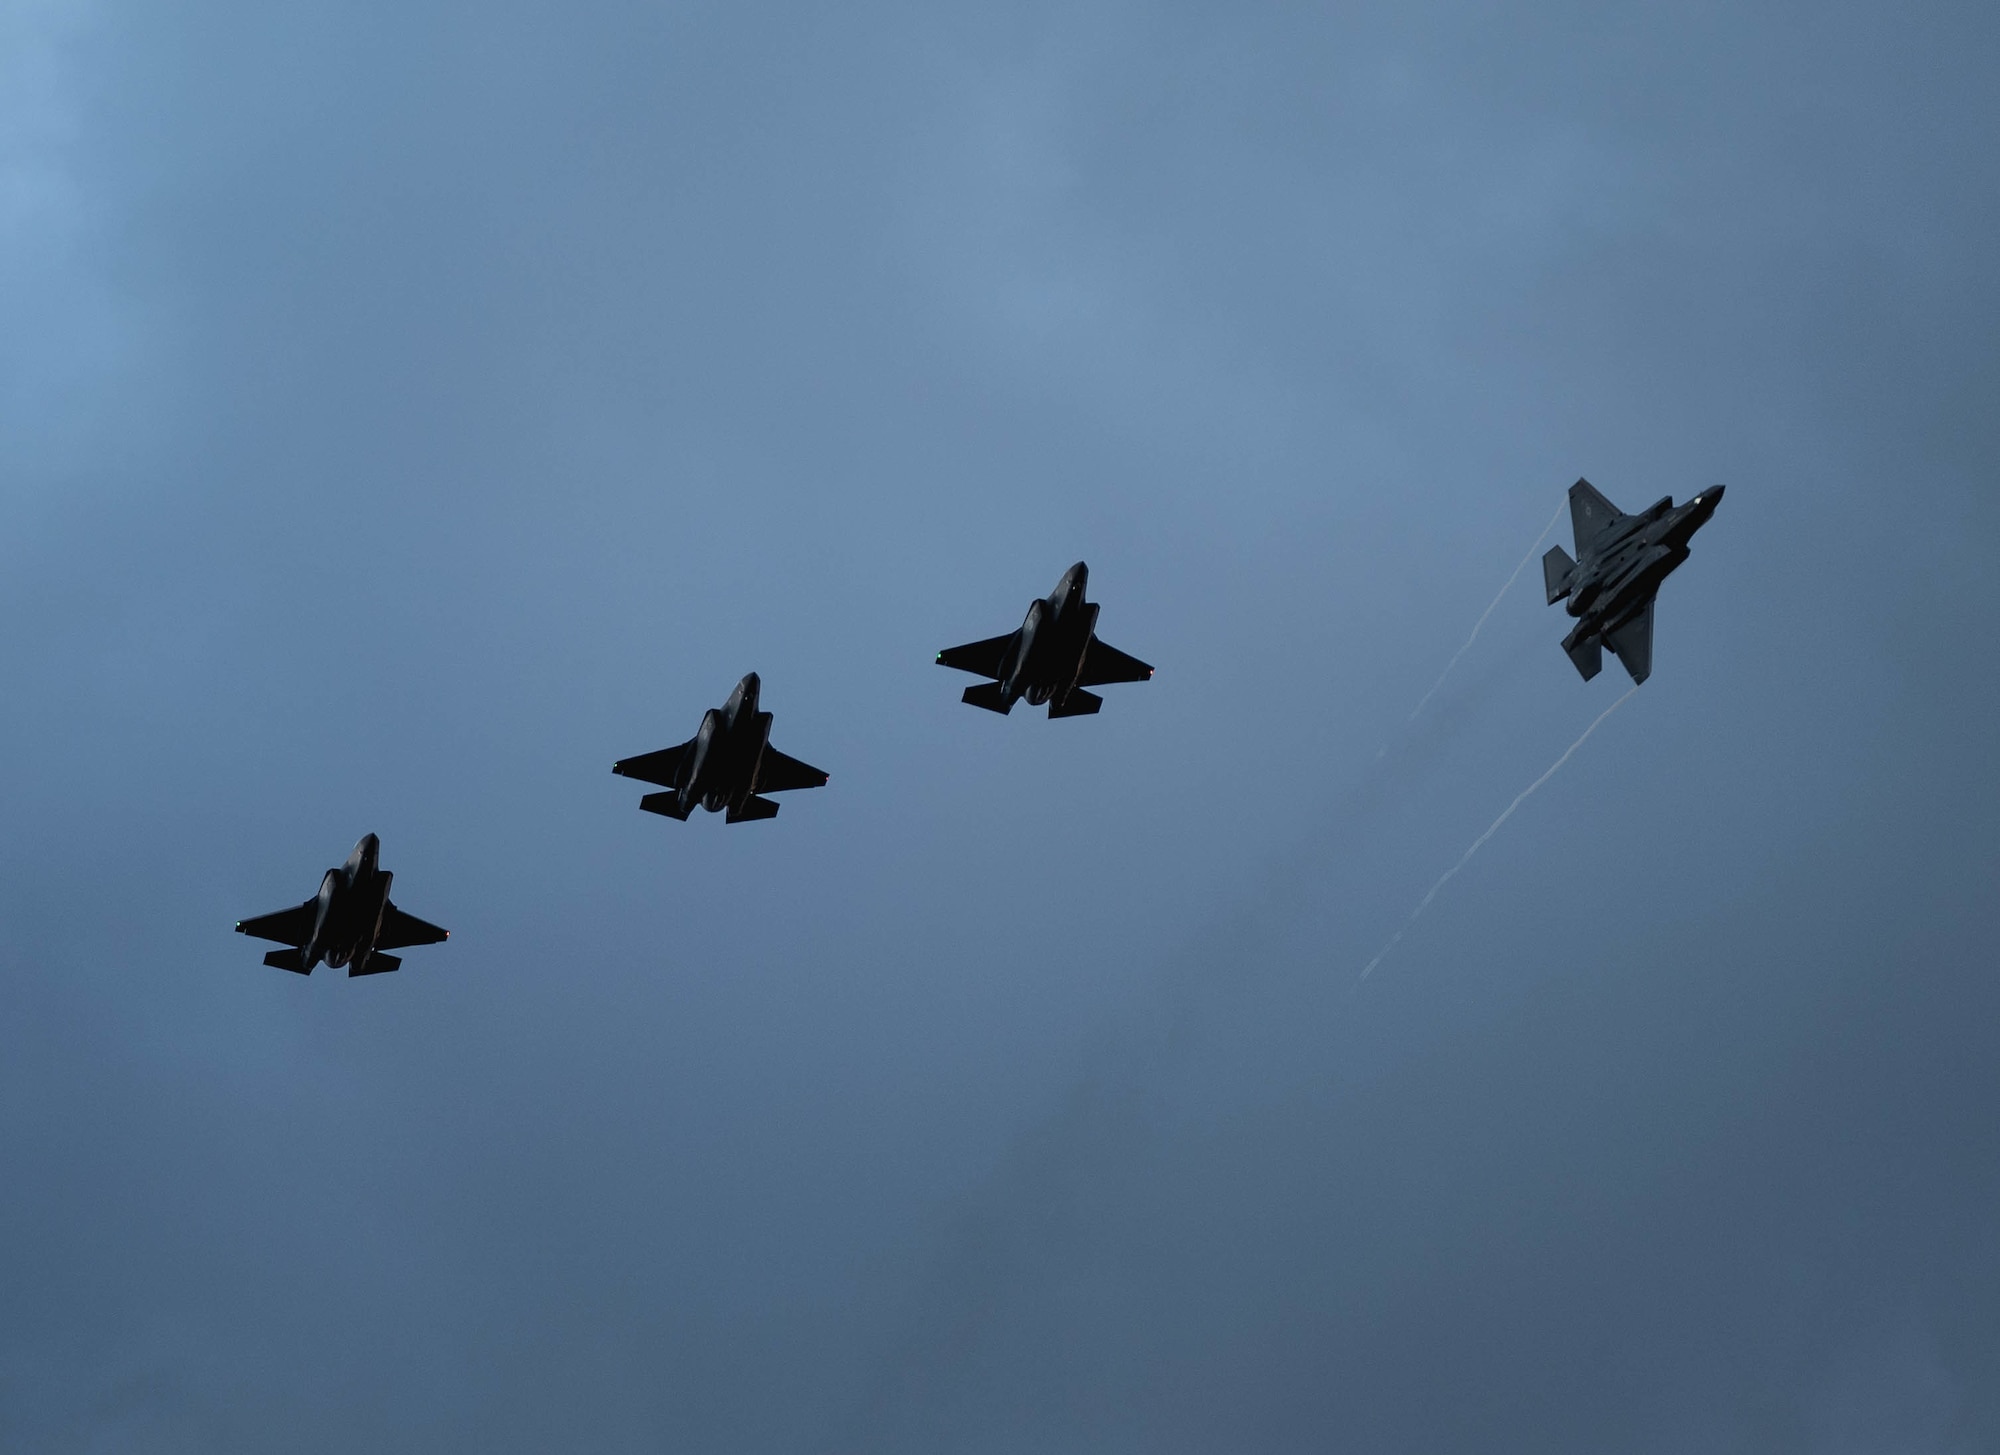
[(349, 922), (1052, 658), (725, 765), (1613, 582)]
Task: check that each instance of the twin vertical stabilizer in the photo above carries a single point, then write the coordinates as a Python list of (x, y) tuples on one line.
[(1558, 571)]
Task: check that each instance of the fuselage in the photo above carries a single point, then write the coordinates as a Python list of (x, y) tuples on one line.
[(1046, 657), (1620, 571), (721, 767), (348, 910)]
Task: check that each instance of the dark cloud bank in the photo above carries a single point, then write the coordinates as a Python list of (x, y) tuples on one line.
[(408, 410)]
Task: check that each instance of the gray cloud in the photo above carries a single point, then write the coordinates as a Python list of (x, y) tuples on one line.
[(412, 410)]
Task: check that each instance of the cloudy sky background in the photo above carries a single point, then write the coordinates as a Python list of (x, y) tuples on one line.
[(406, 410)]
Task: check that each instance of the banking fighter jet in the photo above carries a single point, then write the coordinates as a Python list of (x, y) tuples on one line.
[(1620, 562), (725, 765), (1052, 657), (349, 922)]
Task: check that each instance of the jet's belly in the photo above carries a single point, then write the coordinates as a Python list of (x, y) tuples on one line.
[(1639, 581), (759, 735), (355, 921), (342, 932), (1039, 668), (1061, 653)]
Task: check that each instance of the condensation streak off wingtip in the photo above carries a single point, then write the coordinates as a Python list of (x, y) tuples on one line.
[(1493, 828), (1370, 968), (1480, 625)]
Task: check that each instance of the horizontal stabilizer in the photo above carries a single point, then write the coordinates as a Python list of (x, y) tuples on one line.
[(750, 808), (989, 696), (985, 659), (1557, 572), (1588, 655), (293, 960), (1078, 704), (666, 803), (376, 964)]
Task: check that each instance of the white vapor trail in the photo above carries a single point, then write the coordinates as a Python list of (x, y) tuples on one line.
[(1494, 828), (1481, 623)]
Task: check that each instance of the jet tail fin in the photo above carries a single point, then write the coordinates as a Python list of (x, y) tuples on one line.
[(1587, 654), (750, 808), (293, 960), (666, 803), (989, 696), (1078, 704), (1557, 571), (376, 964)]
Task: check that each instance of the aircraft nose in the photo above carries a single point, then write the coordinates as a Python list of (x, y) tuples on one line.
[(1712, 496)]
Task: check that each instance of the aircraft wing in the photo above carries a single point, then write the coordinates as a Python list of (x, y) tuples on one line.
[(657, 767), (1590, 514), (983, 659), (776, 772), (1633, 642), (1103, 663), (399, 929), (288, 926)]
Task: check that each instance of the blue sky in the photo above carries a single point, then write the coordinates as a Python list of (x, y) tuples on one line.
[(409, 410)]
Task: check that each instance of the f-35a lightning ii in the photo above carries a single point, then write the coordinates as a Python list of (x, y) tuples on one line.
[(725, 765), (1052, 658), (349, 922), (1620, 562)]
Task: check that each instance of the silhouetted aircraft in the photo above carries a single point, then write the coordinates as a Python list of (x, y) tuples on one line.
[(1052, 657), (349, 922), (1620, 562), (726, 764)]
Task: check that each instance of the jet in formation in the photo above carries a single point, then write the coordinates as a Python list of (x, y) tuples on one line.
[(349, 922), (1620, 562), (725, 765), (1052, 658)]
